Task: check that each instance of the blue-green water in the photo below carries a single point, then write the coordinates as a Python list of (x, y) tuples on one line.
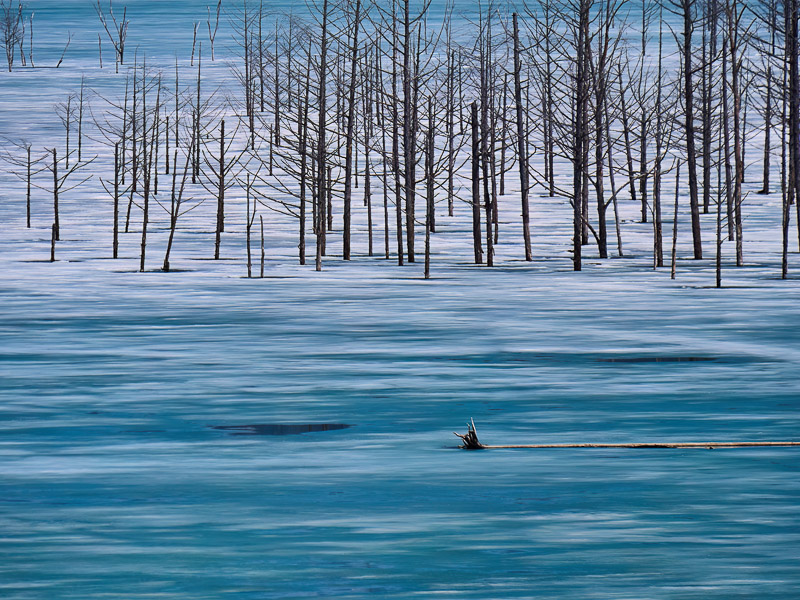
[(115, 484), (116, 480)]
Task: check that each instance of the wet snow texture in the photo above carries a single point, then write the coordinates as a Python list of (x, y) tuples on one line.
[(114, 482)]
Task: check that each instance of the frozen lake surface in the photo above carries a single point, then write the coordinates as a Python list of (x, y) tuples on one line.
[(198, 435)]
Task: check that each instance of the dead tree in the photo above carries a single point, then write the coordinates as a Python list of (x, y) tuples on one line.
[(283, 177), (212, 32), (451, 125), (686, 11), (580, 128), (12, 28), (708, 75), (116, 30), (66, 113), (149, 129), (321, 146), (476, 186), (19, 155), (115, 126), (429, 184), (303, 131), (719, 237), (368, 124), (81, 110), (349, 139), (603, 57), (113, 190), (734, 12), (522, 143), (675, 221), (410, 26), (792, 65), (658, 235), (644, 118), (62, 183), (386, 159), (486, 101), (769, 56), (219, 169), (30, 41), (547, 43), (177, 199)]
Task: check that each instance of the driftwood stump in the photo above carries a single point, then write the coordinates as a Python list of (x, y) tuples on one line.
[(470, 438)]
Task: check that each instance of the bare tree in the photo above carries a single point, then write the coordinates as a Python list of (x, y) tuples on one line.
[(62, 182), (522, 143), (23, 166), (12, 28), (351, 113), (176, 199), (212, 32), (219, 171), (686, 10), (115, 193), (580, 136), (117, 30), (792, 77), (321, 146)]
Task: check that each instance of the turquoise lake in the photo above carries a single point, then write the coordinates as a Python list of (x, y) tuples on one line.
[(182, 436)]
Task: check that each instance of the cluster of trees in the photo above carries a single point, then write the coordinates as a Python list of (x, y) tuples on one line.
[(594, 101), (12, 31), (16, 35)]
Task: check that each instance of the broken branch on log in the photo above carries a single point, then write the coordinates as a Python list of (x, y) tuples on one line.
[(470, 438)]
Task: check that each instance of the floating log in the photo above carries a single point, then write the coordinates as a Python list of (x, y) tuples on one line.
[(471, 442)]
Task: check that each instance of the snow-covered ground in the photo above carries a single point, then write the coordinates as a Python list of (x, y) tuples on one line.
[(113, 482)]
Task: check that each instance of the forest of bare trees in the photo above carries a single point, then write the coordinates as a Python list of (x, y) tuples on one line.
[(600, 103)]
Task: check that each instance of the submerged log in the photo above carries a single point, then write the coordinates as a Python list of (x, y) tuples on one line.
[(471, 442)]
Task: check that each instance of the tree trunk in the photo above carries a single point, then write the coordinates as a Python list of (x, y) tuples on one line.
[(56, 225), (351, 107), (675, 221), (522, 146), (791, 7), (409, 143), (767, 133), (321, 151), (248, 223), (398, 190), (627, 135), (738, 142), (726, 139), (476, 187), (579, 136), (451, 153), (486, 161), (430, 218), (303, 115), (599, 159), (719, 246), (115, 243), (707, 108), (220, 191), (263, 252), (688, 91), (28, 192)]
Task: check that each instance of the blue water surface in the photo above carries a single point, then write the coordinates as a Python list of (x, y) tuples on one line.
[(114, 482), (135, 412)]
